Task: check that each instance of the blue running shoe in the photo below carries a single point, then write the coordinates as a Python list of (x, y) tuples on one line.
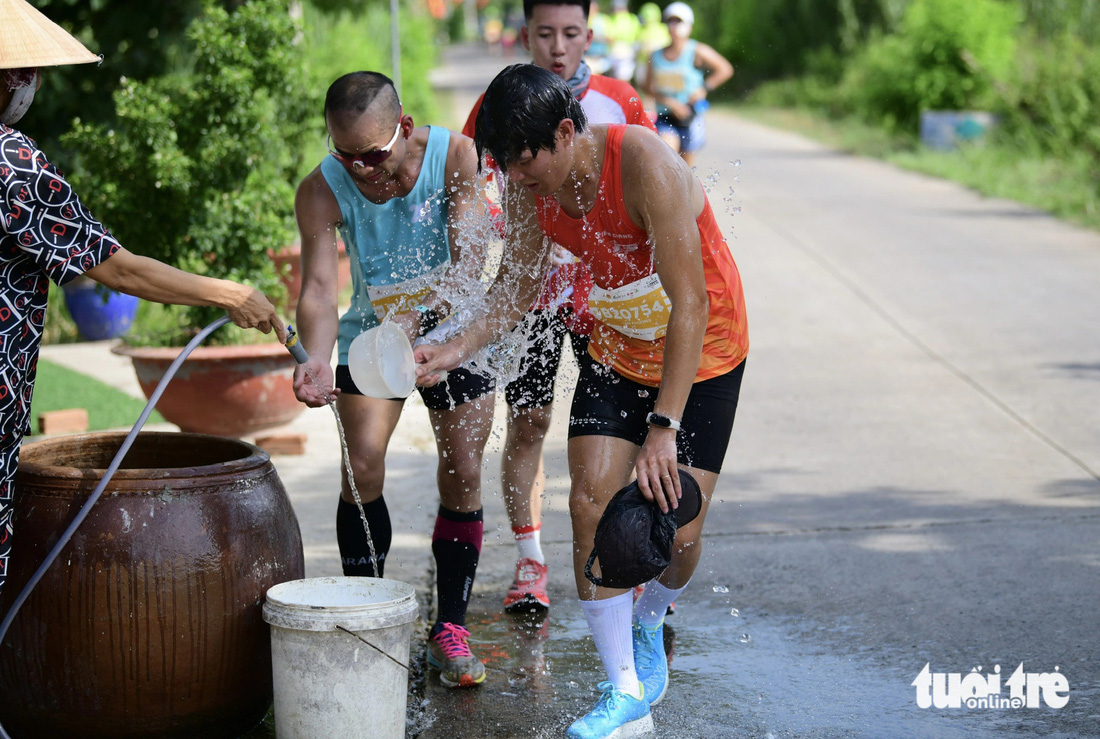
[(650, 661), (617, 715)]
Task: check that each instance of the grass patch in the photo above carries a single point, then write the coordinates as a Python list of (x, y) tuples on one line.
[(1066, 187), (57, 388)]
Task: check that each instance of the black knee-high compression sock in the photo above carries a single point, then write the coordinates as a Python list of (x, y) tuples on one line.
[(352, 539), (456, 544)]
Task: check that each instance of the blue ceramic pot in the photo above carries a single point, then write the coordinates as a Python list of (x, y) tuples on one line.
[(99, 313)]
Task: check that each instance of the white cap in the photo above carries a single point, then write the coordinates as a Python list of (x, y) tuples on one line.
[(681, 11)]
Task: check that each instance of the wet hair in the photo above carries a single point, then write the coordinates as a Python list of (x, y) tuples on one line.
[(529, 5), (521, 111), (351, 95)]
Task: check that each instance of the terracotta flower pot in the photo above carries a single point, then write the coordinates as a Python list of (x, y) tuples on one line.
[(149, 623), (223, 390), (292, 256)]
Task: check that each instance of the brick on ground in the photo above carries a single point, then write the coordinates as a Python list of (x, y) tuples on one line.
[(64, 421), (282, 443)]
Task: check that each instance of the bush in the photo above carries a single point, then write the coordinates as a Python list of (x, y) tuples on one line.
[(946, 55), (342, 41), (768, 39), (1052, 99), (199, 167)]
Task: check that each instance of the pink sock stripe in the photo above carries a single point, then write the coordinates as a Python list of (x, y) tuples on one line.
[(524, 530), (470, 532)]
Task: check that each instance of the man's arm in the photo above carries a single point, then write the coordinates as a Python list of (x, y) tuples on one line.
[(522, 268), (147, 278), (663, 196), (318, 217), (467, 233), (717, 68)]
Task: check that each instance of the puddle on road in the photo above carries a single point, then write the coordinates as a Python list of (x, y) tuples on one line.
[(776, 684)]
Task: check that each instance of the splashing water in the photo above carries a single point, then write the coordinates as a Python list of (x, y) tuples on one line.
[(351, 477)]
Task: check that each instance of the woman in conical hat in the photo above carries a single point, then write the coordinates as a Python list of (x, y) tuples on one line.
[(46, 233)]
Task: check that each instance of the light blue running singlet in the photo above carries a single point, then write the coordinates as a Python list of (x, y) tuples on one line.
[(398, 248), (676, 79)]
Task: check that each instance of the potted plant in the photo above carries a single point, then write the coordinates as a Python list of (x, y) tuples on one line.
[(197, 170)]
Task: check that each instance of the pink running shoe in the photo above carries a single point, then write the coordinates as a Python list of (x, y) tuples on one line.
[(449, 652), (528, 592)]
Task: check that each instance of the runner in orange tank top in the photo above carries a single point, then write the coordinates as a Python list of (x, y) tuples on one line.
[(659, 389), (619, 254)]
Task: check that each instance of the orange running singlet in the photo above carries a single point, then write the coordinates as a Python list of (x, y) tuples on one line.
[(627, 300)]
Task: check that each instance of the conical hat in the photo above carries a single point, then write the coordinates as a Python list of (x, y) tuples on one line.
[(30, 39)]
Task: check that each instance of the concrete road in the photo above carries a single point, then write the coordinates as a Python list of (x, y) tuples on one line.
[(914, 475)]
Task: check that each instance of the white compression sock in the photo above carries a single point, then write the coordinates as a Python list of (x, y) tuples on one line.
[(529, 541), (609, 621), (653, 604)]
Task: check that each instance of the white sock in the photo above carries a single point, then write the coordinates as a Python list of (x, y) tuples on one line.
[(653, 603), (529, 541), (609, 621)]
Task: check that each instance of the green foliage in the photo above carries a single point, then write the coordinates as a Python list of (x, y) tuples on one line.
[(348, 40), (137, 41), (944, 55), (199, 166), (59, 326), (1052, 18), (766, 39), (1052, 100)]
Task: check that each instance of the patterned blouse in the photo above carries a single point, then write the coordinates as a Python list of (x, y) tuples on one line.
[(45, 234)]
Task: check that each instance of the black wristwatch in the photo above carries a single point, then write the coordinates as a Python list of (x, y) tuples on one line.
[(429, 318), (656, 419)]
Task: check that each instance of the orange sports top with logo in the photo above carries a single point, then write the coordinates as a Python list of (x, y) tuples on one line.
[(627, 299)]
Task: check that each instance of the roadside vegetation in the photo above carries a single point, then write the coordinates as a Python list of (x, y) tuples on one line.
[(858, 74), (190, 137)]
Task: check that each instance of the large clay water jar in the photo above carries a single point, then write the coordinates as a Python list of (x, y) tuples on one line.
[(150, 622)]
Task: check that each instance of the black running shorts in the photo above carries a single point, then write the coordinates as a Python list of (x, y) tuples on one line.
[(534, 388), (607, 404), (461, 386)]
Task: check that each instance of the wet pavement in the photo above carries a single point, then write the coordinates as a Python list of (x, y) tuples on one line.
[(913, 476)]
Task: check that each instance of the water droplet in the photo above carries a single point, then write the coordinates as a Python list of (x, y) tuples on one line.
[(736, 162), (745, 639), (721, 589), (735, 613), (623, 413), (643, 393)]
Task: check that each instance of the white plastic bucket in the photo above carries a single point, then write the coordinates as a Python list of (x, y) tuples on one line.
[(381, 363), (332, 683)]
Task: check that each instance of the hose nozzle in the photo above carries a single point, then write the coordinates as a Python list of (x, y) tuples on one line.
[(294, 347)]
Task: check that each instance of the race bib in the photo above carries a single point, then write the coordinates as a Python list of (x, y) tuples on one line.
[(401, 297), (669, 81), (639, 310)]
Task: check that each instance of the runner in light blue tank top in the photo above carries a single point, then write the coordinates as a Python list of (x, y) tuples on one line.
[(391, 242), (406, 200), (676, 79)]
